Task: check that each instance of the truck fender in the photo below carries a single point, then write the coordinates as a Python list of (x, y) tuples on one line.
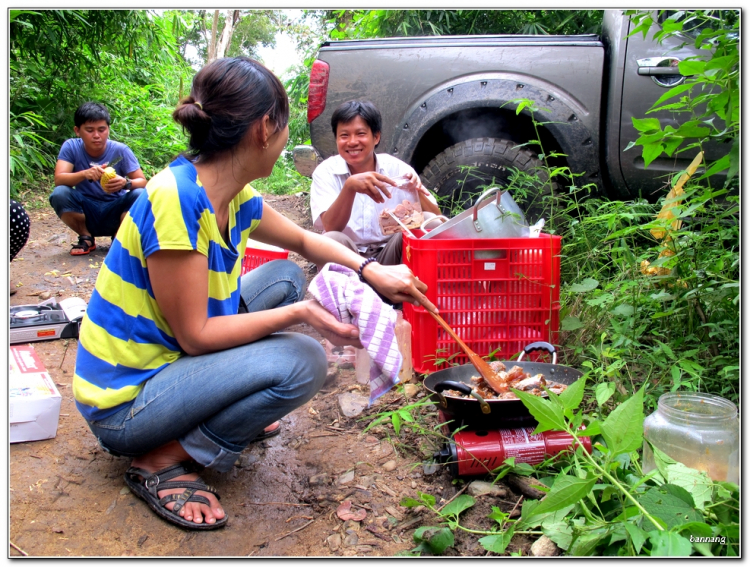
[(565, 115)]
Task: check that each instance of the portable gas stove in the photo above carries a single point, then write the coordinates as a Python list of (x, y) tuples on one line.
[(47, 320), (477, 451)]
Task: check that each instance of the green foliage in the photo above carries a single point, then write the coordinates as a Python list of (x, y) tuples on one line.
[(29, 151), (638, 336), (284, 179), (406, 415), (435, 540), (256, 28), (353, 24), (253, 29), (128, 60), (680, 330), (602, 503), (297, 90), (57, 55), (614, 508), (710, 95)]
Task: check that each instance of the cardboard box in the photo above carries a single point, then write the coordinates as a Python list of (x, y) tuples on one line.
[(34, 399)]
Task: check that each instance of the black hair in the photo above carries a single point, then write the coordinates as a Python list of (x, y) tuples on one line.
[(349, 110), (228, 96), (91, 112)]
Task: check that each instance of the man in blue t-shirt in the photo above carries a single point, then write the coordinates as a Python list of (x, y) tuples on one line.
[(79, 198)]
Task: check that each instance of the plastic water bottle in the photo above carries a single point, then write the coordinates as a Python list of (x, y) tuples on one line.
[(362, 366), (403, 338)]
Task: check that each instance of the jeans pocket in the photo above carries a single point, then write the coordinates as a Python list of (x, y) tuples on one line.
[(114, 422)]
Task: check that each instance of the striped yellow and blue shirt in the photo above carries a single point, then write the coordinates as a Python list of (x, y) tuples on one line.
[(124, 338)]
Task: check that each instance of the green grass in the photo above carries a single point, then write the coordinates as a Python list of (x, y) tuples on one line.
[(284, 179)]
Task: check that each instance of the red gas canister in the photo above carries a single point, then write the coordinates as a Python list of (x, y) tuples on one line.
[(473, 453)]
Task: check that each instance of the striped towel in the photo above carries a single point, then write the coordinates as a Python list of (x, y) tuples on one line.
[(338, 289)]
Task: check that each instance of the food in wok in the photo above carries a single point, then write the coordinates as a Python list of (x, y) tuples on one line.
[(514, 378)]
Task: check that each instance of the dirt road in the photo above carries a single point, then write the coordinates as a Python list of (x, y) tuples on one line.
[(68, 498)]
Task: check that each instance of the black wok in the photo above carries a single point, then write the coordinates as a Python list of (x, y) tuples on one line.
[(478, 412)]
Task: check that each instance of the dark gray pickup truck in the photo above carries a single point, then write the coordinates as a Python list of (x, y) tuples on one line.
[(444, 102)]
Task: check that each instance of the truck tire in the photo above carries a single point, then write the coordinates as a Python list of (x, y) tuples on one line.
[(463, 171)]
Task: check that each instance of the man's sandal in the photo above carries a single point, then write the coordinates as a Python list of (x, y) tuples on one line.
[(146, 485), (85, 245)]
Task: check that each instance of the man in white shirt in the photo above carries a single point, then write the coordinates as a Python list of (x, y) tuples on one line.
[(350, 190)]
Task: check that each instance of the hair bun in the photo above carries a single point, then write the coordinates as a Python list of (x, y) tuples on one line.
[(193, 119)]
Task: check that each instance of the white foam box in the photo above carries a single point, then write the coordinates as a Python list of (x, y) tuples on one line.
[(34, 399)]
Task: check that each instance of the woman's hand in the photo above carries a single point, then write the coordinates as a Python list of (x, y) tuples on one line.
[(337, 333), (398, 284)]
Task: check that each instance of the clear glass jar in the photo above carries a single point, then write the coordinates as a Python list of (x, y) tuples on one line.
[(698, 430)]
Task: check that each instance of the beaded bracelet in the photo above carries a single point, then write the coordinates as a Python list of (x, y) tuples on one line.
[(362, 267)]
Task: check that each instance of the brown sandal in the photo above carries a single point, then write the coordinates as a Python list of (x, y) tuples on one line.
[(85, 246), (146, 485)]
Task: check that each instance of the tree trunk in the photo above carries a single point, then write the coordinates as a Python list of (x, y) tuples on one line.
[(212, 40), (233, 18)]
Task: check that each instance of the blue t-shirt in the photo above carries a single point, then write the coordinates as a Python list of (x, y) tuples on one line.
[(74, 152)]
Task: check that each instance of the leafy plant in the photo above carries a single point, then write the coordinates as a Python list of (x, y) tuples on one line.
[(435, 540), (126, 59), (399, 417), (666, 308), (388, 23), (710, 94), (29, 151), (678, 329), (602, 503), (284, 179), (612, 507)]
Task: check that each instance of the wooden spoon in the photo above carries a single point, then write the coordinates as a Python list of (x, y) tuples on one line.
[(479, 363)]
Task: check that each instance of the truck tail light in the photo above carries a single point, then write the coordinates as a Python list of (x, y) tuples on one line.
[(316, 98)]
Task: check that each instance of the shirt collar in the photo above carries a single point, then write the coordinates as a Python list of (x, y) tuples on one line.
[(340, 167)]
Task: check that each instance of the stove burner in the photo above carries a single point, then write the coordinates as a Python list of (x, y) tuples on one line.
[(32, 315), (28, 314), (46, 321)]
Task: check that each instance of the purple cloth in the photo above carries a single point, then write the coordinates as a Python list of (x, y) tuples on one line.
[(338, 289)]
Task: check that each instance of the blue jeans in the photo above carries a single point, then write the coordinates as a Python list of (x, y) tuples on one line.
[(216, 404), (102, 217)]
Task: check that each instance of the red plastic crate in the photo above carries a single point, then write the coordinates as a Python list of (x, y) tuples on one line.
[(498, 294), (255, 257)]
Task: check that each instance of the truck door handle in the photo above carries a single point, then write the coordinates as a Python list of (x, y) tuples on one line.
[(664, 71), (658, 70)]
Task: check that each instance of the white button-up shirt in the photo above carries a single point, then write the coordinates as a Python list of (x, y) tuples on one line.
[(364, 225)]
